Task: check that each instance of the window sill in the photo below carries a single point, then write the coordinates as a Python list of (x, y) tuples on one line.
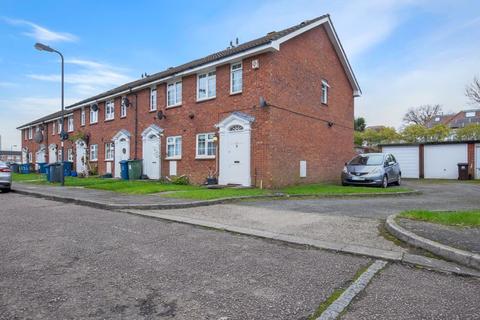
[(235, 93), (173, 158), (174, 106), (123, 117), (108, 160), (206, 99), (96, 160), (153, 110), (92, 123), (325, 104), (204, 157), (107, 120)]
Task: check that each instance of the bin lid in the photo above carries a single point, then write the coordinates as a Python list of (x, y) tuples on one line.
[(124, 161), (462, 164)]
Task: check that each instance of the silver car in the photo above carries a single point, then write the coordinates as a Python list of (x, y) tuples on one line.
[(5, 177), (377, 169)]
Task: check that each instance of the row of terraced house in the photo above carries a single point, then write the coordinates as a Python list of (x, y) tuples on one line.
[(270, 112)]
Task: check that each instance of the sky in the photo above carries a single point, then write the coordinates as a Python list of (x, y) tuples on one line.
[(404, 53)]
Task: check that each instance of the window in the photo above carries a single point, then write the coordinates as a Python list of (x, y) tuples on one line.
[(70, 123), (206, 84), (174, 94), (30, 133), (174, 147), (236, 78), (470, 114), (437, 119), (205, 145), (30, 157), (59, 155), (110, 110), (123, 108), (59, 126), (70, 154), (53, 128), (82, 117), (153, 99), (94, 152), (109, 147), (93, 115), (325, 87)]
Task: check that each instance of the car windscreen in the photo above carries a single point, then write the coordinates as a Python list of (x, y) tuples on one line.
[(367, 160)]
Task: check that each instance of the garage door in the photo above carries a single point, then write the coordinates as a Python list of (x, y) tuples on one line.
[(407, 157), (441, 160)]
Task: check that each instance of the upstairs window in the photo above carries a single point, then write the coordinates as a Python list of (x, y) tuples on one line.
[(325, 88), (206, 86), (205, 145), (93, 115), (109, 148), (123, 108), (470, 114), (30, 133), (70, 123), (82, 117), (174, 94), (153, 99), (174, 147), (94, 152), (236, 78), (110, 110)]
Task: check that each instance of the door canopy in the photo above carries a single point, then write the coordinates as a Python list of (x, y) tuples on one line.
[(153, 129), (122, 134), (236, 121)]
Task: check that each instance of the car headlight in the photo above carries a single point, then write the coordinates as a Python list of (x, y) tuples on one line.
[(345, 170)]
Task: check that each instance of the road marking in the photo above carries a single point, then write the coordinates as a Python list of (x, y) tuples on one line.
[(334, 310)]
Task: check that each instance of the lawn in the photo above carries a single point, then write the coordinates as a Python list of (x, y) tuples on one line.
[(198, 192), (451, 218), (333, 189)]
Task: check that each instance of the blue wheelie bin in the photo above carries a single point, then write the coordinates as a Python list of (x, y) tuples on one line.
[(124, 169), (47, 171), (25, 168), (67, 168), (42, 167)]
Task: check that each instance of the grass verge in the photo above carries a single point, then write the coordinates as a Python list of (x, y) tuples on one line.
[(469, 218)]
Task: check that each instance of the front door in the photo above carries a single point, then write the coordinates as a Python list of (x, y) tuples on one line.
[(52, 154), (122, 152), (81, 157), (235, 156), (477, 162), (151, 156)]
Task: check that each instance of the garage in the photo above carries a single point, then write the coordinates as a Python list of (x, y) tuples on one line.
[(441, 160), (408, 158)]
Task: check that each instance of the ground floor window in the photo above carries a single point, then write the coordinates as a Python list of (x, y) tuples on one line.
[(109, 147), (205, 145), (70, 155), (94, 152), (174, 147), (60, 153)]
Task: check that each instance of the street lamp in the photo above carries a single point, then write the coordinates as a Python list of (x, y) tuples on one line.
[(43, 47)]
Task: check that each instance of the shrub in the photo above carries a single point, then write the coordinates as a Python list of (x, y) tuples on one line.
[(180, 180)]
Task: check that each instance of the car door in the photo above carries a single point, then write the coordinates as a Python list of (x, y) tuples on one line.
[(396, 167), (389, 168)]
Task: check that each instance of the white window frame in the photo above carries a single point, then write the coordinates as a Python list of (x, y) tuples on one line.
[(153, 99), (177, 153), (232, 72), (30, 157), (94, 152), (109, 110), (82, 117), (70, 123), (208, 74), (59, 155), (123, 108), (70, 154), (59, 126), (93, 116), (207, 140), (54, 128), (177, 99), (324, 92), (109, 151), (470, 114), (30, 133)]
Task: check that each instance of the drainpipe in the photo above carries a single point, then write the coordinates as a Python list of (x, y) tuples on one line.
[(136, 125)]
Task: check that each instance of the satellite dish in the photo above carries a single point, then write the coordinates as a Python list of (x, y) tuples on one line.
[(126, 102), (263, 102), (94, 107), (160, 115), (38, 137)]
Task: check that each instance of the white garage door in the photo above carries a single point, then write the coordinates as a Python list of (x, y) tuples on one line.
[(407, 157), (441, 160)]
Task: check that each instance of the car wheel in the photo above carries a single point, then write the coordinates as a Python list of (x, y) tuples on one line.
[(399, 181), (385, 182)]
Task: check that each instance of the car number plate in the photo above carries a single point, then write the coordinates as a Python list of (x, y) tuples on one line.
[(357, 178)]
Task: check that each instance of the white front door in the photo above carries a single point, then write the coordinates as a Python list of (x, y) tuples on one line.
[(52, 154), (151, 156), (122, 152), (81, 157), (235, 156), (477, 162), (40, 156)]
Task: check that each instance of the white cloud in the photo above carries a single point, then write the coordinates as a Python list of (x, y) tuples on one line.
[(89, 77), (40, 33)]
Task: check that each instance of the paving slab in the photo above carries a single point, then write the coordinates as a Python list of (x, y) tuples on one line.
[(400, 292)]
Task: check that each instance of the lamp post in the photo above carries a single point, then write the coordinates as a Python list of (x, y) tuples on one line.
[(42, 47)]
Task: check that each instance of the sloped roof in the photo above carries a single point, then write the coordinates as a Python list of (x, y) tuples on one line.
[(46, 118)]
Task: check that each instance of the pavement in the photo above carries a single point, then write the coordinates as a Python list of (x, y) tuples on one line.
[(64, 261)]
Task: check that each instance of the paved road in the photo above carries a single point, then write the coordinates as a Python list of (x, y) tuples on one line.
[(62, 261), (439, 196)]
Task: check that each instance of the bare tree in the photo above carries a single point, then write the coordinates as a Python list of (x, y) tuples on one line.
[(473, 91), (422, 115)]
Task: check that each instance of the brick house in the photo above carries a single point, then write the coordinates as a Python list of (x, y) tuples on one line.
[(270, 112)]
